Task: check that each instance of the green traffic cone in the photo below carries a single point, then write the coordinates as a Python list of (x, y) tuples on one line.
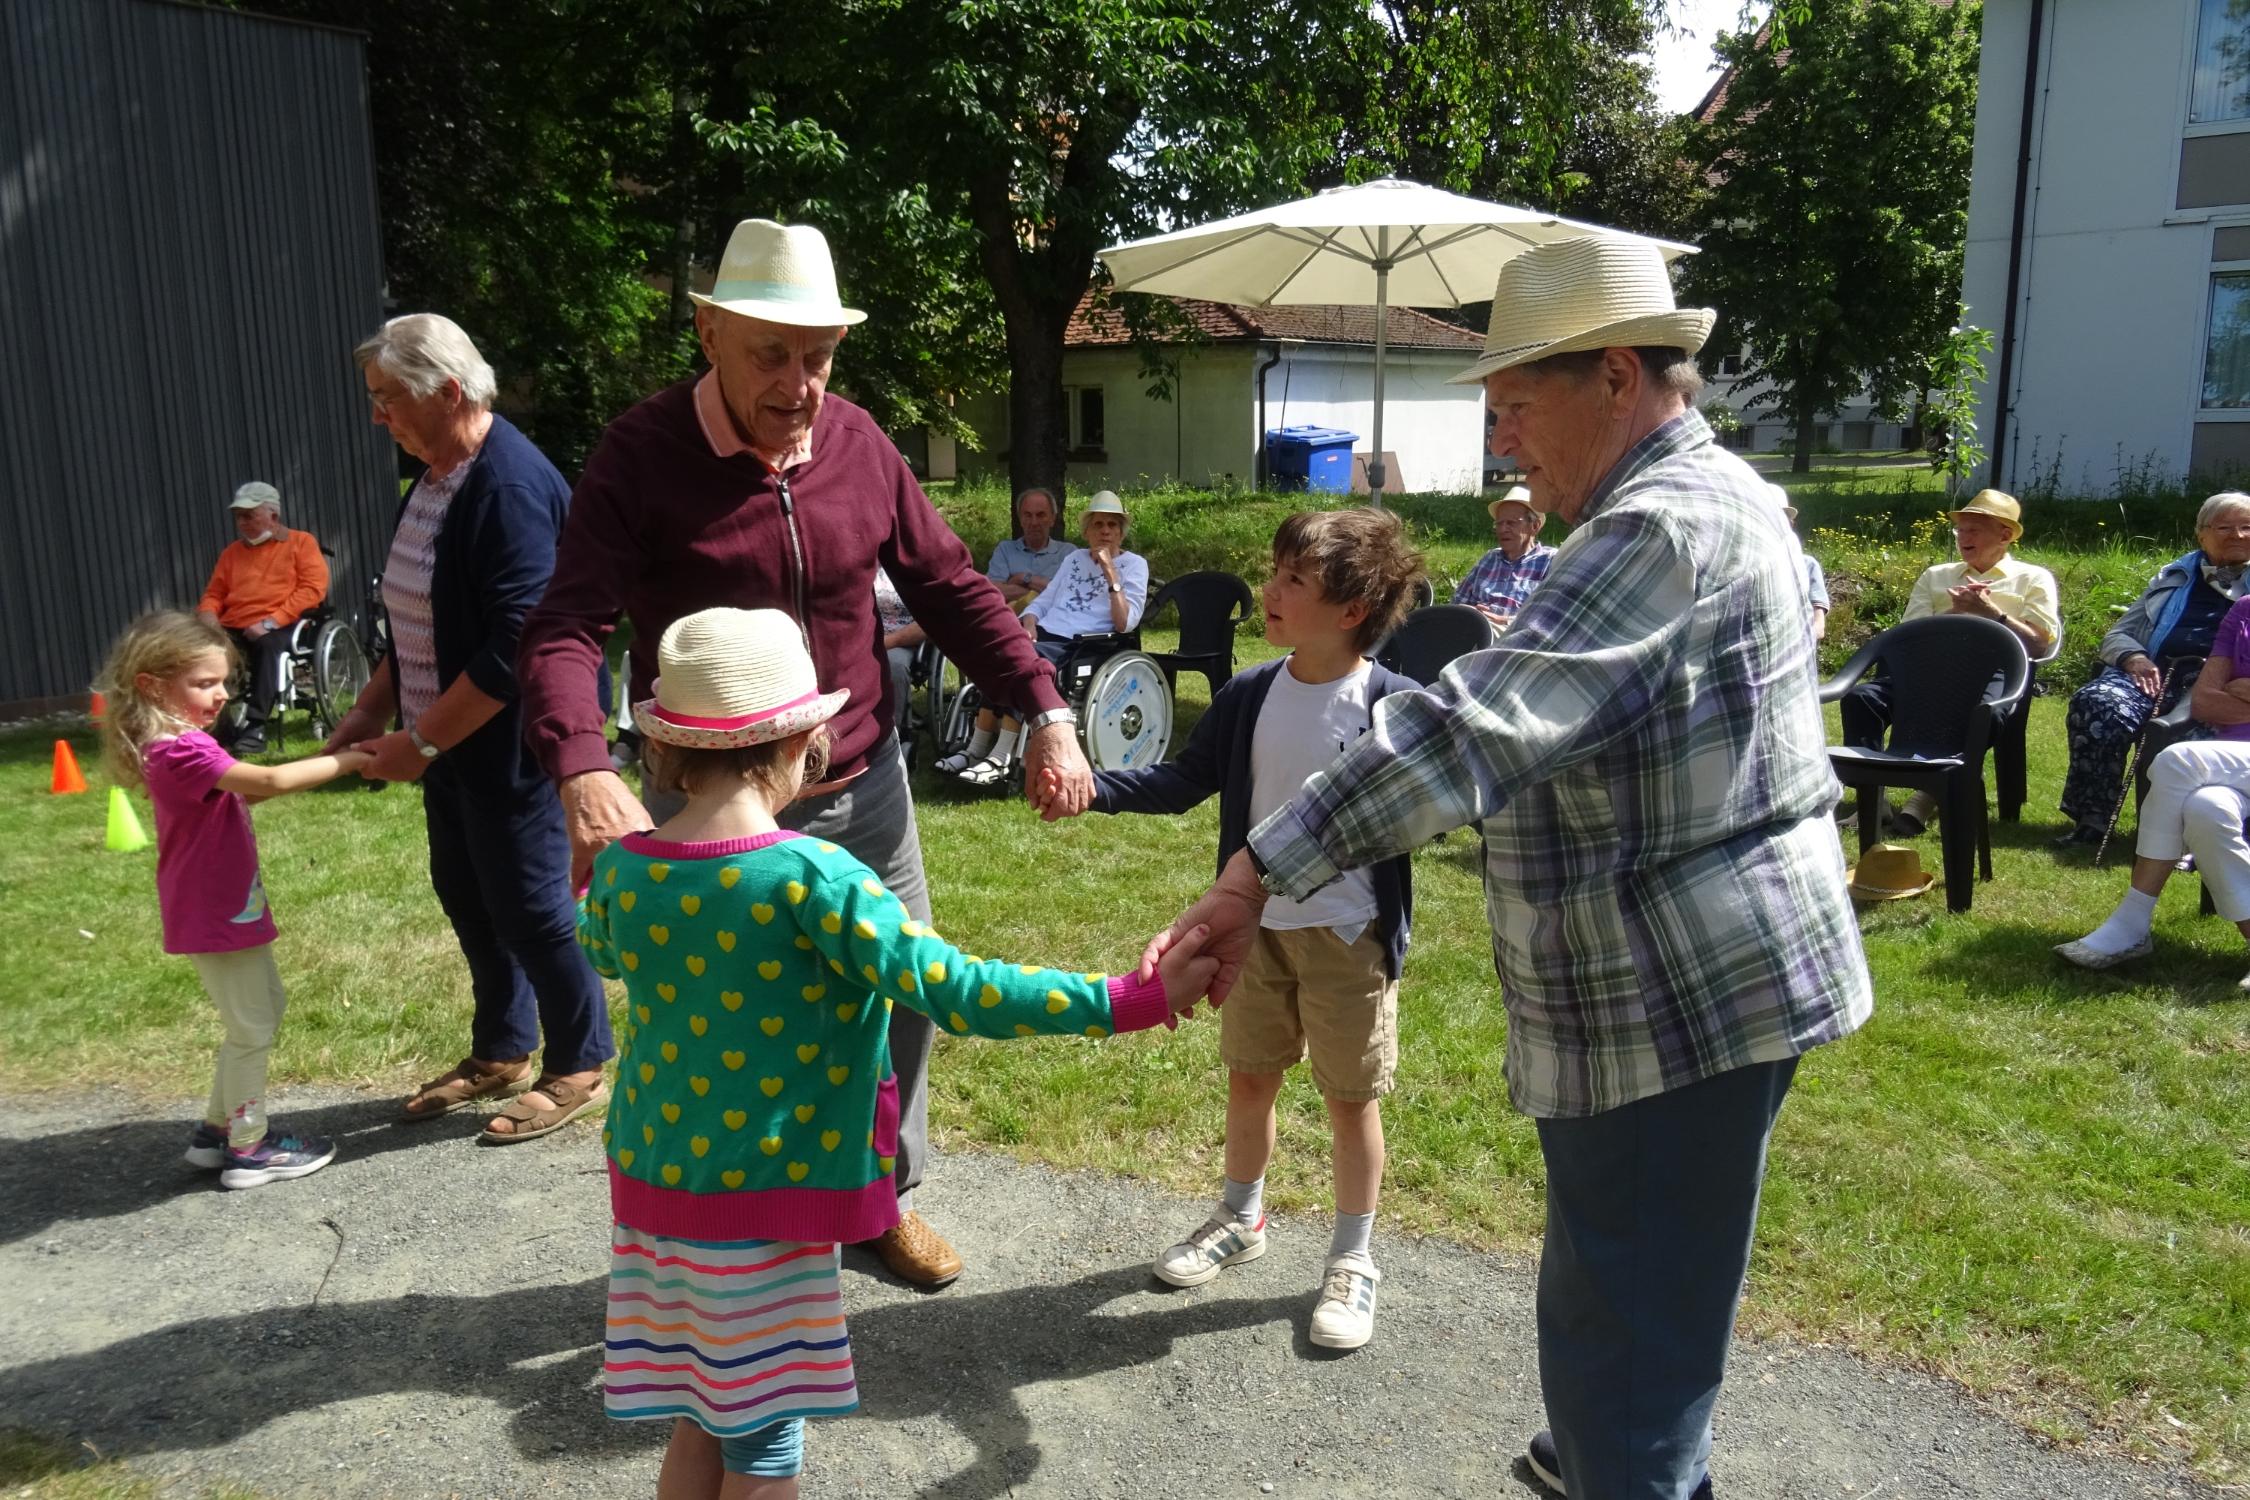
[(125, 833)]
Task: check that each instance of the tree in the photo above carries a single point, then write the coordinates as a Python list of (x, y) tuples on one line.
[(1833, 234)]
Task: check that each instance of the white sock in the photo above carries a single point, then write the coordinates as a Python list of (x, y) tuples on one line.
[(979, 742), (1004, 747), (1351, 1235), (2127, 926), (1245, 1202)]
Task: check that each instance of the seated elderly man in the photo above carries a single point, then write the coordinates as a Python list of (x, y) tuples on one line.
[(263, 584), (2149, 660), (1024, 564), (1986, 582), (1504, 577)]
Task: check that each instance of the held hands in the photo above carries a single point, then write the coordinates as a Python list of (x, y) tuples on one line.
[(1056, 779), (357, 726), (1227, 915), (391, 757), (1186, 971), (348, 761)]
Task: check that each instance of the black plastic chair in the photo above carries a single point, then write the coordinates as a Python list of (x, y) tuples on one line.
[(2011, 760), (1211, 605), (1433, 637), (1944, 701)]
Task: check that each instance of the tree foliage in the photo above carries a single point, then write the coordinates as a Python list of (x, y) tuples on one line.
[(1833, 234)]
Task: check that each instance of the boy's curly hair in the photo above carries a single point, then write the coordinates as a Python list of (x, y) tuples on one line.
[(1360, 554)]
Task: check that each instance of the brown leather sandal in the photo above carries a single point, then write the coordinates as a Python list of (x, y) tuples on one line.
[(464, 1083), (528, 1122)]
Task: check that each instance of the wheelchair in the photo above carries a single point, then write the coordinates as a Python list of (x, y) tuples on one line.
[(324, 672), (1118, 691)]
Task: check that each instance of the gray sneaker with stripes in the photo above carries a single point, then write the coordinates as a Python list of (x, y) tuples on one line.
[(1211, 1249), (1344, 1318)]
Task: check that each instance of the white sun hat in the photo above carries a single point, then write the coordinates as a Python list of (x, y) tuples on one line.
[(731, 677), (1103, 503), (781, 273), (1517, 495), (255, 494), (1585, 294)]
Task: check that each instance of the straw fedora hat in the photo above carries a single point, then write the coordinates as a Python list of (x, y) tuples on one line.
[(781, 273), (1888, 872), (731, 677), (1599, 293), (1516, 495), (2000, 506)]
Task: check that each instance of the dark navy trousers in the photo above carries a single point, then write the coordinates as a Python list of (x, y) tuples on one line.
[(1650, 1211), (500, 863)]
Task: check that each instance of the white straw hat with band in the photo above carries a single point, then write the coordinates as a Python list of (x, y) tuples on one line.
[(733, 677), (1595, 293), (781, 273)]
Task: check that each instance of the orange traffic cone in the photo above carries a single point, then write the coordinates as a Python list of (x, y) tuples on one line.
[(66, 778)]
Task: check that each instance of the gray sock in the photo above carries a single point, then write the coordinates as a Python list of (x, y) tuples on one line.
[(1245, 1201), (1352, 1231)]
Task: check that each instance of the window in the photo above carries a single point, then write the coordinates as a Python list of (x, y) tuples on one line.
[(2226, 352), (1085, 404), (1731, 365), (2220, 89)]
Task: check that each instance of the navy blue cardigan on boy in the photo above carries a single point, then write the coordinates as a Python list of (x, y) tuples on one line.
[(1217, 759)]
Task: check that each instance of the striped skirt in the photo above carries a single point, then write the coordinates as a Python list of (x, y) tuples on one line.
[(731, 1334)]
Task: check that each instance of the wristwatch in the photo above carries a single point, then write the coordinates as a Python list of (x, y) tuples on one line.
[(427, 750), (1051, 716), (1117, 588)]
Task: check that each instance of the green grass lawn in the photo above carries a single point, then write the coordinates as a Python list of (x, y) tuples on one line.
[(2031, 1179)]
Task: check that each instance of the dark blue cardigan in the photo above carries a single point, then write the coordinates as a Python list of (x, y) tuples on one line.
[(1217, 759), (495, 553)]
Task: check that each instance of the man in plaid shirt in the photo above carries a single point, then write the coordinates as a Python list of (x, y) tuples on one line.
[(1504, 577), (1645, 753)]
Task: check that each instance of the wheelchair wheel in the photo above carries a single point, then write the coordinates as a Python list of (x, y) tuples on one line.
[(339, 672), (1125, 721), (943, 687), (960, 722)]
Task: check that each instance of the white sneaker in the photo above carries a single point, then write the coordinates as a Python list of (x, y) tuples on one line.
[(1211, 1249), (2087, 956), (986, 772), (1344, 1318)]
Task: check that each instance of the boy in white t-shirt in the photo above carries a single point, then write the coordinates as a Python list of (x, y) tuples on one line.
[(1322, 978)]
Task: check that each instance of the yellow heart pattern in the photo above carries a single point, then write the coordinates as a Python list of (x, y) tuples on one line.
[(770, 969), (846, 1012), (872, 887), (1023, 1030), (701, 1086), (813, 992), (837, 1075), (671, 1175), (698, 1025), (770, 1086), (957, 1021), (658, 872), (648, 1072), (934, 972), (808, 1052), (671, 1113), (795, 891), (660, 935), (629, 959), (733, 1176), (771, 1145), (699, 1144), (831, 1139), (731, 999), (625, 899), (667, 993), (670, 1051), (837, 964), (833, 922), (643, 1012), (726, 942), (611, 878), (760, 913), (989, 996), (625, 1159), (729, 878), (632, 1095), (690, 905), (696, 965), (734, 1060), (803, 942), (864, 928), (1096, 1032), (887, 1163), (906, 980), (735, 1119), (771, 1025), (648, 1135), (797, 1170), (804, 1114), (1057, 1002)]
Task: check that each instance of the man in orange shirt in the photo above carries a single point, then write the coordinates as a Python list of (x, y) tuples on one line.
[(263, 584)]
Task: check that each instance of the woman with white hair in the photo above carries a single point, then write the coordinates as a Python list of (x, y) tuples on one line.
[(2171, 623), (474, 548)]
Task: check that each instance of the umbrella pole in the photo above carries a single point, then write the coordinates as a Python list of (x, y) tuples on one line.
[(1375, 475)]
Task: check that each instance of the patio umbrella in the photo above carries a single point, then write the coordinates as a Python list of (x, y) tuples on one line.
[(1380, 242)]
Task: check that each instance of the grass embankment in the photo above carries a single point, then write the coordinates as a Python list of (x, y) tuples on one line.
[(2031, 1179)]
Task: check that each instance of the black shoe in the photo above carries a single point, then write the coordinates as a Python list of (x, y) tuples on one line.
[(1546, 1463), (248, 743), (2080, 834)]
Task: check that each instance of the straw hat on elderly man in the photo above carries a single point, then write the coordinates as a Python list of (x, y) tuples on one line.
[(1653, 712)]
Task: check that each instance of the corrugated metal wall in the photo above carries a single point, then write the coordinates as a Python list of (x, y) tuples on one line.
[(189, 249)]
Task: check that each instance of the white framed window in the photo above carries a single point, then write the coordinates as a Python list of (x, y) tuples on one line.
[(2219, 86), (1087, 429), (2226, 343)]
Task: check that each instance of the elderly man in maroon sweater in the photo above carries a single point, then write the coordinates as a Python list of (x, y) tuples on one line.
[(751, 487)]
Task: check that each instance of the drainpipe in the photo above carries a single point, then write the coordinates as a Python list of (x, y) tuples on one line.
[(2004, 402), (1271, 360)]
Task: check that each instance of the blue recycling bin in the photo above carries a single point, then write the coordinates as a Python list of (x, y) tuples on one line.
[(1310, 458)]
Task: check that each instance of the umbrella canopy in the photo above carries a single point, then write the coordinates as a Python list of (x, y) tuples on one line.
[(1378, 242)]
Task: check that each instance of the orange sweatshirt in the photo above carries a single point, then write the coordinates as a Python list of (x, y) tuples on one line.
[(278, 581)]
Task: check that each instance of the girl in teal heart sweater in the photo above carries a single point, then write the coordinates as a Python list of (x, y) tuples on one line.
[(756, 1116)]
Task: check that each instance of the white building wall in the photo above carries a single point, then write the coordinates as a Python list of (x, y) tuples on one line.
[(2114, 280), (1198, 438), (1436, 429)]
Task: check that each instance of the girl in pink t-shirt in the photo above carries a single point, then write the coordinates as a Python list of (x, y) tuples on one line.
[(166, 682)]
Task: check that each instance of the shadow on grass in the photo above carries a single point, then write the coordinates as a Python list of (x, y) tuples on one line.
[(535, 1353), (2015, 963), (119, 1169)]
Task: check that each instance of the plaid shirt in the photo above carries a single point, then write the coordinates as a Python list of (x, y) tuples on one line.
[(1646, 754), (1500, 585)]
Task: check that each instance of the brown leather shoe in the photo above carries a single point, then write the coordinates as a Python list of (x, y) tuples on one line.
[(916, 1253)]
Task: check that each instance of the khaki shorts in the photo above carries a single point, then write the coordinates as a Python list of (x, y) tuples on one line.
[(1305, 992)]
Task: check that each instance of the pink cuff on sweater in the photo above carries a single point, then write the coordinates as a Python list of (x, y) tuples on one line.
[(1134, 1006)]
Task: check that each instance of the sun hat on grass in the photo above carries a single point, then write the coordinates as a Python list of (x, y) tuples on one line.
[(1999, 506), (781, 273), (1597, 293), (732, 677), (1516, 495), (1888, 872)]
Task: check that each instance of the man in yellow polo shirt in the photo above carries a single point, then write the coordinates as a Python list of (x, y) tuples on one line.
[(263, 584), (1986, 582)]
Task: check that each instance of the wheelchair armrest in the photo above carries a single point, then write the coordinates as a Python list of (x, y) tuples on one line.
[(1848, 675)]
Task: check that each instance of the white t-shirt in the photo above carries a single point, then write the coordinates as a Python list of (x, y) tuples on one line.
[(1302, 726), (1077, 602)]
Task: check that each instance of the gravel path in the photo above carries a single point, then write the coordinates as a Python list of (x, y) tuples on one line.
[(421, 1319)]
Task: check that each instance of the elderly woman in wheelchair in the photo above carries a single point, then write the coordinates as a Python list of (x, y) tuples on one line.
[(1099, 591)]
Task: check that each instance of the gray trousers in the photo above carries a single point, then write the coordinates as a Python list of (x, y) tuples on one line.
[(873, 818)]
